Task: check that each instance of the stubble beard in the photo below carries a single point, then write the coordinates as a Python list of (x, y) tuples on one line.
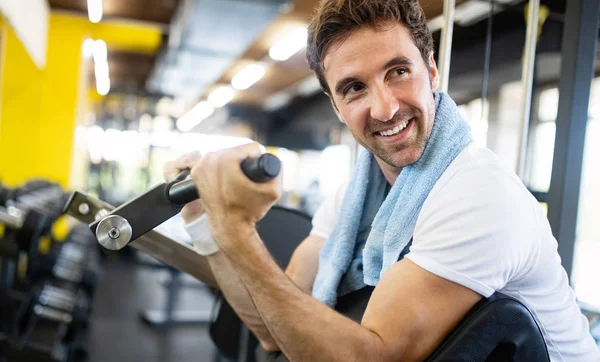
[(395, 157)]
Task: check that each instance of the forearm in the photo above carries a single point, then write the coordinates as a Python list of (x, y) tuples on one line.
[(237, 296), (303, 328), (203, 271)]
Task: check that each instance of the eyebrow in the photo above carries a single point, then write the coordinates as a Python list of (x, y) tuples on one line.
[(398, 61), (394, 62)]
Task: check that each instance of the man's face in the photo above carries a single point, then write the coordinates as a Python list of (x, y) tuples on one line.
[(383, 91)]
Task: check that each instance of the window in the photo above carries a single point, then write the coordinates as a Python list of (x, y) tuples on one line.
[(476, 113)]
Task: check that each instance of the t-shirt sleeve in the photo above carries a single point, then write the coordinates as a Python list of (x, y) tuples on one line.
[(478, 230), (326, 217)]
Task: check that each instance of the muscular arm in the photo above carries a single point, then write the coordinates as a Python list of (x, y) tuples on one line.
[(304, 264), (301, 270), (409, 313), (219, 271)]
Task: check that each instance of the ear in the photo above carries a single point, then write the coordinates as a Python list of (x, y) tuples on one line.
[(433, 71), (337, 111)]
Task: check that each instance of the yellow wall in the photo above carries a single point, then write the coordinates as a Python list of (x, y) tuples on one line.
[(19, 112), (39, 108)]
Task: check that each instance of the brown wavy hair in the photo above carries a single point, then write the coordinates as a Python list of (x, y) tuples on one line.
[(335, 20)]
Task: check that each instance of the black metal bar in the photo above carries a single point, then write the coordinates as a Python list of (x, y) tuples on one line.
[(540, 196), (146, 211), (261, 169), (578, 56), (183, 192), (487, 59)]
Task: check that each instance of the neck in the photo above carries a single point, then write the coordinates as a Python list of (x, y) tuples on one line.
[(389, 172)]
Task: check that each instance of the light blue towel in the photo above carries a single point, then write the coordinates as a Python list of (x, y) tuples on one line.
[(395, 220)]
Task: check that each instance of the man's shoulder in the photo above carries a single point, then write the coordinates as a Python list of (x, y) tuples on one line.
[(482, 210), (477, 182), (479, 169)]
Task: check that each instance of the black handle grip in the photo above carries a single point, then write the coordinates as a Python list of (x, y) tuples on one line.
[(183, 192), (261, 169), (182, 175)]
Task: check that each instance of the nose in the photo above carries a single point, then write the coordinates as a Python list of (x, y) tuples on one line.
[(383, 103)]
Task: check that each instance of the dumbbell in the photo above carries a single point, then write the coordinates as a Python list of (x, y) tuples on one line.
[(24, 232), (82, 272), (63, 306), (58, 298), (6, 194), (28, 227)]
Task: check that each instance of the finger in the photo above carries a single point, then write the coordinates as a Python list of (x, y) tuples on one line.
[(187, 161), (169, 170), (196, 170), (272, 187), (249, 150)]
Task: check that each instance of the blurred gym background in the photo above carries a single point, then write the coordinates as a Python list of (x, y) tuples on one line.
[(96, 95)]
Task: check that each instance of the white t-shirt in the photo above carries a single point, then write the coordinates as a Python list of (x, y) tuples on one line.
[(481, 228)]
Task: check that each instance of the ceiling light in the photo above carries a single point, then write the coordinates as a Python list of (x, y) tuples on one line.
[(88, 48), (102, 77), (245, 78), (277, 101), (94, 10), (467, 13), (100, 51), (103, 86), (436, 23), (289, 45), (101, 70), (191, 119), (471, 12), (221, 96)]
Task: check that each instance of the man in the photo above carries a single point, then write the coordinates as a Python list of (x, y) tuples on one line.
[(430, 221)]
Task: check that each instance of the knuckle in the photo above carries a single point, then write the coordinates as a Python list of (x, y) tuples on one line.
[(195, 170), (253, 148), (194, 156), (188, 159), (273, 193)]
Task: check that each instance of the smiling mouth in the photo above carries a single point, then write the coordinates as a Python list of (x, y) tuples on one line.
[(395, 130)]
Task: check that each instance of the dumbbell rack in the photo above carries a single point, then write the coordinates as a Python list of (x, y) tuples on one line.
[(45, 306)]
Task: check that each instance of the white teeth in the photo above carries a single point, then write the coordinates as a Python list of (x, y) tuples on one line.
[(395, 130)]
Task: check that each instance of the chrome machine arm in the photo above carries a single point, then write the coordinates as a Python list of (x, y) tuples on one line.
[(180, 256), (133, 222)]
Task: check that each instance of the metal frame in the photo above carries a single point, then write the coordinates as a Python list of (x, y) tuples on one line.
[(183, 257), (180, 257), (578, 57), (169, 315), (446, 44), (527, 79)]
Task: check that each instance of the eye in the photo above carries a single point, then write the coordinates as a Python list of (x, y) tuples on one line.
[(399, 71), (353, 88)]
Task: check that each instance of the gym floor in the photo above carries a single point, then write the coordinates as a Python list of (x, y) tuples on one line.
[(117, 332)]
